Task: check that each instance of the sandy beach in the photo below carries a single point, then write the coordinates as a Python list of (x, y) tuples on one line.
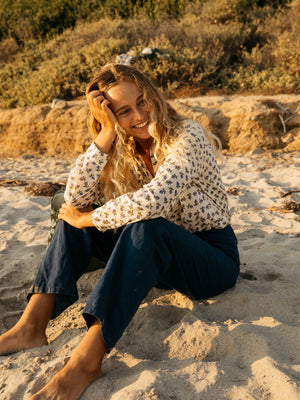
[(241, 345)]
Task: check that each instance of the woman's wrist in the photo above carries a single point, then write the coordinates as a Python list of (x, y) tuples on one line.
[(98, 147), (104, 141), (86, 219)]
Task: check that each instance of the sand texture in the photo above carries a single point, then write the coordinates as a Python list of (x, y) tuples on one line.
[(241, 345)]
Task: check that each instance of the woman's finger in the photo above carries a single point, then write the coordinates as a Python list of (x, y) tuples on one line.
[(105, 102), (95, 96), (99, 100), (94, 93), (62, 211)]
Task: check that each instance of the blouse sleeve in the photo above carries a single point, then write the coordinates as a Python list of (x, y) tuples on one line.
[(83, 187), (156, 198)]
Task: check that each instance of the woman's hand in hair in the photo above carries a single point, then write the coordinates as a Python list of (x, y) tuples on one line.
[(101, 111)]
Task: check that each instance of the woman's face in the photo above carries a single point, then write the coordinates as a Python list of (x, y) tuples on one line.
[(128, 105)]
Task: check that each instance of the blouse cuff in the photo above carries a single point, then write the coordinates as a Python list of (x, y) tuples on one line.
[(95, 153)]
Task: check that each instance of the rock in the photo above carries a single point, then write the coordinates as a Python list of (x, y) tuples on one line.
[(210, 117), (257, 151), (293, 121), (44, 130), (288, 138), (28, 157), (243, 124), (58, 103), (295, 143)]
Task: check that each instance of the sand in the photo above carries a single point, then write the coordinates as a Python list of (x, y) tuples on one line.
[(241, 345)]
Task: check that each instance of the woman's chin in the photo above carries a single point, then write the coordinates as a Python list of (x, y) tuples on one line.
[(141, 135)]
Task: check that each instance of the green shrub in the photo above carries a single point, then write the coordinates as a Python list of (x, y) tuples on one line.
[(259, 51), (27, 19), (275, 63)]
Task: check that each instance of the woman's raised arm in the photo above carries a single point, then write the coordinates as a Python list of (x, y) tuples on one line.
[(101, 111)]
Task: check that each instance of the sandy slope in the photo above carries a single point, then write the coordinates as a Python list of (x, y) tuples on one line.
[(241, 345), (243, 123)]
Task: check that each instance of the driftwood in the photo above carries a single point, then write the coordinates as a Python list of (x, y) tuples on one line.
[(44, 188), (284, 121), (288, 207), (290, 192), (36, 188), (13, 182)]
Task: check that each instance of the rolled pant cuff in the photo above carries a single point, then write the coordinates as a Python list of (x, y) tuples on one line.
[(89, 320)]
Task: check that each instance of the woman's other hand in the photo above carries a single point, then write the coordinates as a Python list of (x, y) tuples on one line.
[(77, 218), (101, 111)]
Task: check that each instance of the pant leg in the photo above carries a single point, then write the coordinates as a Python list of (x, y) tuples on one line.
[(56, 203), (67, 258), (153, 251)]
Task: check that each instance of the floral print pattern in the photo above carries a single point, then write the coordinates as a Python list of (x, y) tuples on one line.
[(187, 188)]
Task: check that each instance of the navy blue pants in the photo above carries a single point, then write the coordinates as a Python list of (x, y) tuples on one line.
[(140, 256)]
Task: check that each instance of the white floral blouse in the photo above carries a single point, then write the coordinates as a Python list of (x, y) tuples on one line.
[(187, 188)]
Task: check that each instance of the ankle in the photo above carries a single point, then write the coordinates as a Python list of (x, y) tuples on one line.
[(31, 327), (21, 338), (30, 333), (87, 363)]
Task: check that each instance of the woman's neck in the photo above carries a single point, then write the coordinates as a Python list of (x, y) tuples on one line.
[(143, 144), (142, 147)]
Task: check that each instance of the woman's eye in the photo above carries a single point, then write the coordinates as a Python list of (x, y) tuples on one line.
[(123, 112)]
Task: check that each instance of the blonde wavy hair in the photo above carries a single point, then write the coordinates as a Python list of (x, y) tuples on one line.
[(118, 175)]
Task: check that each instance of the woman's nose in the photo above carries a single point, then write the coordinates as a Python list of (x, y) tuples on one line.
[(138, 113)]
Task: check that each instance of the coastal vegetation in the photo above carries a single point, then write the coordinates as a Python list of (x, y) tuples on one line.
[(51, 48)]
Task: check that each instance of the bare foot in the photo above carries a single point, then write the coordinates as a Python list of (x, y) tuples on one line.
[(29, 331), (21, 338), (80, 371), (69, 383)]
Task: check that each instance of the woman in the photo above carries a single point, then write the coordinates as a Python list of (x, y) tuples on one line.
[(165, 222)]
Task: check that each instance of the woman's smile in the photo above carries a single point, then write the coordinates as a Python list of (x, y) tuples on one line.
[(142, 125)]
